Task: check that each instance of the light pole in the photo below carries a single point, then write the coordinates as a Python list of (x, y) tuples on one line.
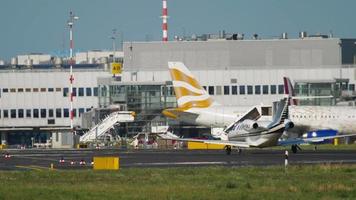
[(71, 20), (113, 37)]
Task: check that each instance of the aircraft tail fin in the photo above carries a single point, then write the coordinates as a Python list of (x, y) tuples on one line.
[(289, 90), (281, 114), (188, 91)]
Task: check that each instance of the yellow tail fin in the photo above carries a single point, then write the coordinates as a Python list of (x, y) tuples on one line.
[(187, 89)]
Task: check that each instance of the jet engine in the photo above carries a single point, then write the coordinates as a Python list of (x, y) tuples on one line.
[(288, 124), (248, 125)]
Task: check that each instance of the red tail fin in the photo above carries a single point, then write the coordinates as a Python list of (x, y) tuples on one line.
[(288, 89)]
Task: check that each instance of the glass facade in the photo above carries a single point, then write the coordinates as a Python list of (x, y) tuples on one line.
[(146, 100), (337, 88)]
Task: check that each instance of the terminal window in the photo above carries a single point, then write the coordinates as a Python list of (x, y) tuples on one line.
[(96, 91), (81, 92), (257, 89), (226, 90), (50, 112), (58, 113), (273, 89), (28, 113), (218, 90), (65, 92), (211, 90), (234, 89), (35, 113), (88, 91), (265, 89), (13, 113), (6, 113), (280, 89), (242, 89), (65, 112), (249, 89), (43, 113), (81, 111), (20, 113)]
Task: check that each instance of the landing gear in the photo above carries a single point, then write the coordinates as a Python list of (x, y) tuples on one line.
[(239, 150), (295, 148), (228, 149)]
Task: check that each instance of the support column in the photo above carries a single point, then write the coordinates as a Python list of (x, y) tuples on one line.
[(3, 136)]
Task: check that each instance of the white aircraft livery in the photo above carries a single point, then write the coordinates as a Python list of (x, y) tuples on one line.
[(312, 118)]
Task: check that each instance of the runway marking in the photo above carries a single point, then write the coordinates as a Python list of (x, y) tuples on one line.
[(31, 158)]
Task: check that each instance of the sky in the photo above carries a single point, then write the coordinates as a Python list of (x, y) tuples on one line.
[(40, 26)]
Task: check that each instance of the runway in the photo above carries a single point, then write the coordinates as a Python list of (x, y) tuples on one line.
[(42, 159)]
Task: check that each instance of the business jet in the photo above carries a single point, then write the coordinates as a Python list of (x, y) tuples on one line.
[(248, 131)]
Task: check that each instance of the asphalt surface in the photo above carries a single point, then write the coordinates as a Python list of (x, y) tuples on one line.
[(31, 159)]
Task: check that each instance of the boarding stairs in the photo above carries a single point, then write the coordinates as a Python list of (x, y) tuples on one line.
[(106, 124)]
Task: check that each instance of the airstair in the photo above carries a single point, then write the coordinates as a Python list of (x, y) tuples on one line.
[(106, 124)]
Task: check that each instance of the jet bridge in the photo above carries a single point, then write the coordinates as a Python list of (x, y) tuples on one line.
[(106, 124)]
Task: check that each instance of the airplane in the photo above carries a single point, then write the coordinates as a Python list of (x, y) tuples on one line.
[(195, 105), (248, 131), (316, 120), (311, 118)]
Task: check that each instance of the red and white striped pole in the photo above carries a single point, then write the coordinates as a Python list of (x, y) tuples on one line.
[(72, 17), (164, 21)]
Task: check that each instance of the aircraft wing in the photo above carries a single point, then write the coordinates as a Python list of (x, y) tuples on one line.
[(310, 140), (252, 114), (219, 142)]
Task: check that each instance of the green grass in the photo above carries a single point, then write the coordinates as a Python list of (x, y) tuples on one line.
[(298, 182)]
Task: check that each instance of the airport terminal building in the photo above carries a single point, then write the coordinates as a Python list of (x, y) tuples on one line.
[(234, 72)]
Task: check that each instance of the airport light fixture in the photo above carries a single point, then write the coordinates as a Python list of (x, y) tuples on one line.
[(71, 20)]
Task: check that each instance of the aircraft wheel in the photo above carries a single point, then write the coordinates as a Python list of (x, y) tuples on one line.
[(239, 150), (294, 148), (228, 149)]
